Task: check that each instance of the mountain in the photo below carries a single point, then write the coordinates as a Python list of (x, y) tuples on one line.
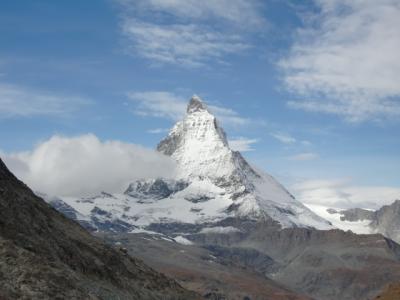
[(385, 220), (211, 183), (44, 255), (226, 230)]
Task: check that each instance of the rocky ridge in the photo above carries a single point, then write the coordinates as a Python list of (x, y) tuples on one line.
[(385, 220)]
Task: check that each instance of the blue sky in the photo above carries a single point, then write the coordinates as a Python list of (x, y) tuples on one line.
[(311, 91)]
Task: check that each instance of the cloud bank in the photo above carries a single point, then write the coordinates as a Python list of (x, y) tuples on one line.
[(345, 60), (84, 165)]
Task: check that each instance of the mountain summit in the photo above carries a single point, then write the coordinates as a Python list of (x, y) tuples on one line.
[(198, 144), (196, 104), (212, 183)]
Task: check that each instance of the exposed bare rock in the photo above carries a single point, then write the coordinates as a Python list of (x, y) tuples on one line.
[(387, 221), (391, 292)]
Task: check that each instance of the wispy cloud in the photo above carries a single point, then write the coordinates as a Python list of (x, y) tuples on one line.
[(341, 193), (242, 144), (17, 101), (304, 156), (157, 130), (171, 106), (185, 45), (345, 60), (284, 138), (179, 32), (229, 116), (243, 13), (159, 104)]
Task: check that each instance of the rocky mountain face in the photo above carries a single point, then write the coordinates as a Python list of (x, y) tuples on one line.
[(385, 220), (353, 214), (44, 255)]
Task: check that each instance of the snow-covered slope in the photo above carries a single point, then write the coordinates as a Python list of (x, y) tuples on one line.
[(212, 183), (334, 216), (385, 220)]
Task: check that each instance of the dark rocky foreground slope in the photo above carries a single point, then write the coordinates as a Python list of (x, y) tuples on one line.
[(44, 255)]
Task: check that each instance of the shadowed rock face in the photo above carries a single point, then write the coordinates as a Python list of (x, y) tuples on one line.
[(356, 214), (155, 189), (44, 255), (387, 220)]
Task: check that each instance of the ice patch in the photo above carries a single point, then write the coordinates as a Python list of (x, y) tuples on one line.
[(181, 240)]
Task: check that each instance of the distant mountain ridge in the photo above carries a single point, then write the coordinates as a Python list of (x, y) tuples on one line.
[(385, 220)]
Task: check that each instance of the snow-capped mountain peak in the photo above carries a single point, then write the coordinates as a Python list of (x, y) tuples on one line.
[(200, 148), (198, 143), (196, 104), (212, 183)]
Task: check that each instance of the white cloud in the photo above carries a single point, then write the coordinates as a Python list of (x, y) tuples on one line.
[(168, 105), (341, 193), (228, 116), (304, 156), (284, 138), (185, 45), (17, 101), (345, 61), (242, 144), (179, 32), (84, 165), (159, 104), (240, 12), (306, 143)]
